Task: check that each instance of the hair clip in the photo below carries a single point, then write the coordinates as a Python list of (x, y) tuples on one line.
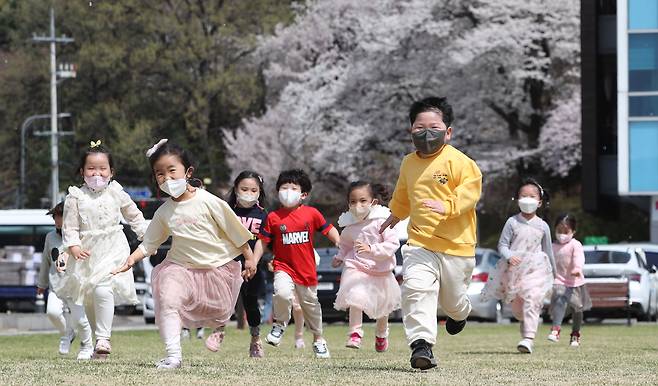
[(93, 144), (155, 147)]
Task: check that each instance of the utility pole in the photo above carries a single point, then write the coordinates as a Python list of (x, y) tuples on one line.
[(54, 136)]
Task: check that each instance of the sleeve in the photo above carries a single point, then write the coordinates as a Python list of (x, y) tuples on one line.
[(547, 245), (399, 204), (578, 257), (467, 193), (132, 215), (44, 269), (265, 233), (344, 246), (71, 223), (505, 240), (385, 249), (320, 222), (156, 233), (229, 222)]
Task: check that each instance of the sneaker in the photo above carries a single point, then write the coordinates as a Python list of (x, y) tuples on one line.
[(381, 344), (454, 327), (168, 363), (86, 353), (184, 334), (575, 339), (199, 333), (525, 346), (215, 340), (554, 336), (103, 347), (320, 349), (421, 355), (274, 337), (65, 343), (299, 343), (354, 341), (256, 349)]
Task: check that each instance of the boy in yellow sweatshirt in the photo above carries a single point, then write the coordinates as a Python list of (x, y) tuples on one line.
[(437, 189)]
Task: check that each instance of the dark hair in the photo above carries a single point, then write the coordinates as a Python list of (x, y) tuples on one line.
[(57, 210), (436, 104), (566, 219), (232, 199), (169, 148), (377, 191), (543, 194), (295, 176), (94, 150)]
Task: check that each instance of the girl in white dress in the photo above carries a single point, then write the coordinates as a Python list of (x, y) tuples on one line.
[(93, 235)]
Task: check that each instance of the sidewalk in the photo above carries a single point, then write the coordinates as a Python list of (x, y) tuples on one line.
[(23, 323)]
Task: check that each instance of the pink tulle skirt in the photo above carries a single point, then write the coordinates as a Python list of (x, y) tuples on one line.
[(377, 296), (531, 280), (202, 297)]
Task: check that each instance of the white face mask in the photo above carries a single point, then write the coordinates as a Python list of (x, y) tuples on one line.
[(563, 238), (360, 212), (246, 200), (97, 183), (289, 198), (528, 205), (174, 188)]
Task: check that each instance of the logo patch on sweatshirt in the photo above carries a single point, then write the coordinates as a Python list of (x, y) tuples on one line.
[(439, 177)]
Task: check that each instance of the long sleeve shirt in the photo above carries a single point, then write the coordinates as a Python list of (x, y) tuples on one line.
[(569, 260), (47, 267), (508, 238)]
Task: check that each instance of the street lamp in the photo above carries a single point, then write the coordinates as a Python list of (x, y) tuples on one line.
[(26, 124)]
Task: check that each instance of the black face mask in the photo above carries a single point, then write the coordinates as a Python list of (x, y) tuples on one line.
[(428, 141)]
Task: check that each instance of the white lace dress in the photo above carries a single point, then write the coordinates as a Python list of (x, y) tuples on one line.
[(92, 220)]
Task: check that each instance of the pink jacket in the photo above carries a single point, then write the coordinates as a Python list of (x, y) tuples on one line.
[(381, 258), (569, 259)]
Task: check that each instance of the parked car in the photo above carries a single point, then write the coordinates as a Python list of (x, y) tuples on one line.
[(619, 261), (328, 284), (492, 310)]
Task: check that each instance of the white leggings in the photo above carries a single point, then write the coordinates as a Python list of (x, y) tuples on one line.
[(58, 315), (100, 311)]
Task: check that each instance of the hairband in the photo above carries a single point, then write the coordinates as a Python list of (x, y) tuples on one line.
[(93, 144), (155, 147)]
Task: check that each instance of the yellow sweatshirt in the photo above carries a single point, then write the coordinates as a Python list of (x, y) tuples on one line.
[(450, 177)]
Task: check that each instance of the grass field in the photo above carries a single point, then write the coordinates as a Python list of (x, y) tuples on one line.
[(482, 354)]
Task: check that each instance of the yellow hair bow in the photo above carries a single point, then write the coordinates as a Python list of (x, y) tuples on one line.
[(93, 144)]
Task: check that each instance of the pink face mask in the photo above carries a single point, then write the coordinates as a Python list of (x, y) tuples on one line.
[(563, 238), (97, 183)]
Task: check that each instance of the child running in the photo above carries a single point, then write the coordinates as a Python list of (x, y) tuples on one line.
[(291, 229), (198, 283), (569, 288), (525, 275), (247, 199), (93, 235), (367, 283), (438, 189), (58, 309)]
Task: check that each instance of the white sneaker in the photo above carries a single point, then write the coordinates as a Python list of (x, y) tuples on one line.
[(199, 333), (299, 343), (554, 336), (525, 346), (274, 337), (86, 353), (65, 343), (321, 350), (168, 363), (184, 334)]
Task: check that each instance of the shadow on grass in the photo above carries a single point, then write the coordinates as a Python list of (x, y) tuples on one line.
[(489, 352), (396, 369)]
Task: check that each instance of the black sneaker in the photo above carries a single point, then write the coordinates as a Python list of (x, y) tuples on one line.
[(421, 356), (455, 327)]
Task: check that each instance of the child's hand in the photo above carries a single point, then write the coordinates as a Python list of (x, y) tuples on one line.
[(336, 262), (390, 222), (130, 261), (78, 253), (515, 260), (270, 266), (41, 291), (575, 273), (361, 247), (249, 269), (436, 206)]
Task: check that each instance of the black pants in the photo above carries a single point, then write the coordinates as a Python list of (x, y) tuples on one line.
[(250, 292)]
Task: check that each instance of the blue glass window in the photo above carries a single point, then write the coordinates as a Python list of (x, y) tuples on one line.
[(643, 14), (643, 62), (643, 106), (643, 156)]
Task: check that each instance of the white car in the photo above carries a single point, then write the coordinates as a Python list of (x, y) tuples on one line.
[(618, 261)]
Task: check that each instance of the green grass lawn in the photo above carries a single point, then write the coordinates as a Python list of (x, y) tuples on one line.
[(482, 354)]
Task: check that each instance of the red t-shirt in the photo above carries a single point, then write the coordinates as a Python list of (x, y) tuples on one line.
[(292, 234)]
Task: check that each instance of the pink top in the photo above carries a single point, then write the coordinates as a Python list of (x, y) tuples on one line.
[(381, 258), (569, 259)]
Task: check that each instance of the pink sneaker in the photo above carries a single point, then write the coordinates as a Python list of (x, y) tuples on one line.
[(354, 341), (102, 349), (215, 340), (381, 344), (256, 349)]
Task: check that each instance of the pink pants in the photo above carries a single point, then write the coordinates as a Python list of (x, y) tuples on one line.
[(527, 312), (356, 324)]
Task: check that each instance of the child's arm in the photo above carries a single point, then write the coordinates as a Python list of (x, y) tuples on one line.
[(386, 248), (156, 234), (464, 197), (546, 245), (133, 216), (249, 261), (344, 247), (334, 236), (399, 205), (505, 241), (578, 259), (133, 259), (71, 229), (44, 268)]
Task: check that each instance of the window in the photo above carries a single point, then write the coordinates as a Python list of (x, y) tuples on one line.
[(643, 62), (642, 14), (607, 257), (643, 138), (652, 258)]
